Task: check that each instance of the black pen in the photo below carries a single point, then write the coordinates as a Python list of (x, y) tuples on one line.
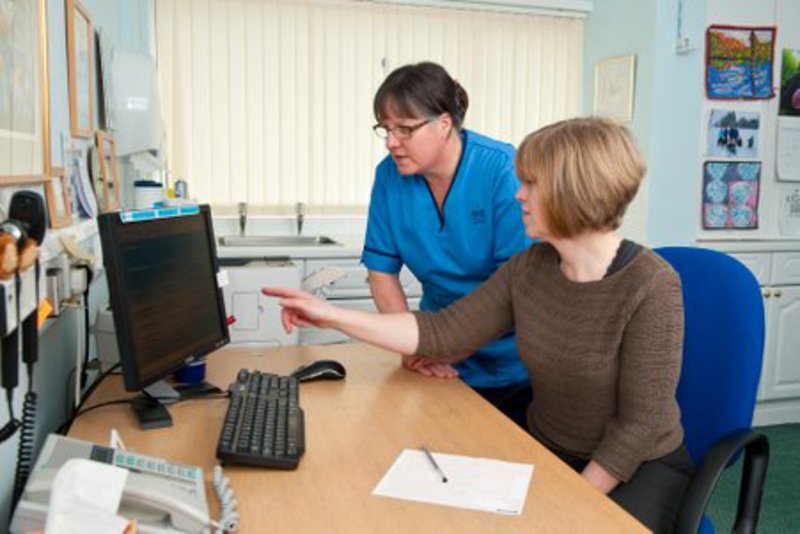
[(434, 464)]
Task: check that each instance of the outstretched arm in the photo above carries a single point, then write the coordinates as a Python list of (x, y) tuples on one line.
[(389, 297), (397, 332)]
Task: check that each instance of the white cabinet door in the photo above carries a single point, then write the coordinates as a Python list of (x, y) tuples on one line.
[(256, 318), (768, 361), (786, 269), (781, 376)]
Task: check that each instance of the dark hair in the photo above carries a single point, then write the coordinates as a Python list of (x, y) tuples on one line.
[(421, 90)]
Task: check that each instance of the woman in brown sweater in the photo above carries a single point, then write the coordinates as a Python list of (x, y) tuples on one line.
[(599, 320)]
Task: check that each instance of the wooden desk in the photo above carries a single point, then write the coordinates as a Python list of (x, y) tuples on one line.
[(355, 428)]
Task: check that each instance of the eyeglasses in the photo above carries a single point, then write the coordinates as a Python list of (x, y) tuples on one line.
[(399, 132)]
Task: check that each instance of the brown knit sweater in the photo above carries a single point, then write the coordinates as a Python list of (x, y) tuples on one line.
[(604, 356)]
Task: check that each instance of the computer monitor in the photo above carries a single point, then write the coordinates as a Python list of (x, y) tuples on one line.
[(162, 279)]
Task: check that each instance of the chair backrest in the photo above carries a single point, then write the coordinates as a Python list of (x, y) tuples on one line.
[(723, 345)]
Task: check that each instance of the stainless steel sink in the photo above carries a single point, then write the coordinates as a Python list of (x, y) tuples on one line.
[(276, 241)]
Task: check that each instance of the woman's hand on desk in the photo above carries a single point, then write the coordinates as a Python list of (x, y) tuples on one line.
[(429, 368)]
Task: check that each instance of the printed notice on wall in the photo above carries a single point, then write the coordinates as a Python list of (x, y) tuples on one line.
[(789, 149), (789, 216)]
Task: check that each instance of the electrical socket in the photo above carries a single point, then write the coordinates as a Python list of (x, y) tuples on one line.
[(684, 45)]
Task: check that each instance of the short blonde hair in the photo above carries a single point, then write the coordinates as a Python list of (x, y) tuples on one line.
[(587, 171)]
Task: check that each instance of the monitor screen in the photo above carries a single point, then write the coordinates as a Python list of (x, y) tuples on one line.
[(162, 281)]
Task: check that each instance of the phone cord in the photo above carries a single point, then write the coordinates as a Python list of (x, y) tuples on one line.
[(30, 353), (25, 451)]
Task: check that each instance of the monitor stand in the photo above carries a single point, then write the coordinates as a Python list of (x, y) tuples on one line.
[(149, 406)]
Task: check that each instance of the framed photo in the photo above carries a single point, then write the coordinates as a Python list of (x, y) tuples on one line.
[(739, 62), (24, 99), (80, 43), (613, 88), (59, 199), (109, 172)]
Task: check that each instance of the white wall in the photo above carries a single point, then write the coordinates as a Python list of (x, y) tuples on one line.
[(603, 40), (671, 111)]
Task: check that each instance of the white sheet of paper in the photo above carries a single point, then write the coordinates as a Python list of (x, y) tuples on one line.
[(789, 149), (474, 483)]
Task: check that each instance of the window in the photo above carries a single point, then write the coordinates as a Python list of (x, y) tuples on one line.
[(270, 101)]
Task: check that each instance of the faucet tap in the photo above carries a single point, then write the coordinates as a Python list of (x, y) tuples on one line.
[(300, 211), (242, 218)]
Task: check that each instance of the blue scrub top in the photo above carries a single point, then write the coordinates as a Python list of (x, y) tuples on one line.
[(451, 253)]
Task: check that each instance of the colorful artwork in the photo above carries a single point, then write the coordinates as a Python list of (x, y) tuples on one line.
[(739, 62), (730, 194), (790, 82), (732, 134)]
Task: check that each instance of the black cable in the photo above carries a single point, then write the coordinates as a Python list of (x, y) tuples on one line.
[(84, 370), (10, 365), (13, 424), (63, 429), (25, 450), (130, 400), (30, 354)]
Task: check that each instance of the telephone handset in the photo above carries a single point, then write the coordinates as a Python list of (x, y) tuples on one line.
[(163, 496)]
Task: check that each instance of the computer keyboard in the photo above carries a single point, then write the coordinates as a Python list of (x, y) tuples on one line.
[(264, 425)]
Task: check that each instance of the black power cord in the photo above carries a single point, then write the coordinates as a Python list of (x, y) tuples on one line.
[(64, 429), (84, 368)]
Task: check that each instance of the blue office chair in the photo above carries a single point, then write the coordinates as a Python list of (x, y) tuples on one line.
[(722, 353)]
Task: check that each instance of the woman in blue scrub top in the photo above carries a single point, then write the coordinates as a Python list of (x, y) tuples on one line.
[(443, 204)]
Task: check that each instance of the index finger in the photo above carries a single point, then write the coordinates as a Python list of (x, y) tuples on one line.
[(282, 292)]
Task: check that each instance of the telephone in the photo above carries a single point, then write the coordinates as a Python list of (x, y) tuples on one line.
[(163, 496)]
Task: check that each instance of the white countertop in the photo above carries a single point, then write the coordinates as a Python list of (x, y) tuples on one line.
[(752, 245), (348, 246)]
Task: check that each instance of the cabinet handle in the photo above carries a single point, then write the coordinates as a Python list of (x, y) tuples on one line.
[(777, 293), (767, 293)]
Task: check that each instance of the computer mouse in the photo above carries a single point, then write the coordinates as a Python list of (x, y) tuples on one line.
[(320, 370)]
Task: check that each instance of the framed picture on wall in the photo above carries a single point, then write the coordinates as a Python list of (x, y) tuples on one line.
[(109, 171), (613, 88), (24, 99), (59, 198), (80, 44)]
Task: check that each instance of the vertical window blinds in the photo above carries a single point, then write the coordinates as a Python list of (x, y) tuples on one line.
[(270, 101)]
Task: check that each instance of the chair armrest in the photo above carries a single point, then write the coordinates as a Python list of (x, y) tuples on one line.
[(705, 478)]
